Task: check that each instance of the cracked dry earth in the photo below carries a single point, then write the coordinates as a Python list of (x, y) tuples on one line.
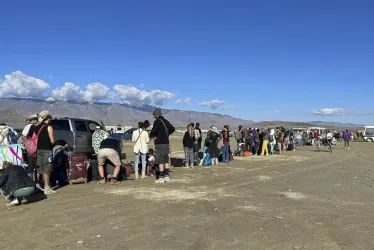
[(299, 200)]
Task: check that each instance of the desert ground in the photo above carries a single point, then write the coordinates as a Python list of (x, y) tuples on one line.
[(298, 200)]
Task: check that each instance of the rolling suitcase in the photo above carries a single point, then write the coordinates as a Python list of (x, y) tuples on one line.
[(78, 166)]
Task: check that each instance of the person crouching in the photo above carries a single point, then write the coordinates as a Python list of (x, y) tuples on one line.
[(16, 185), (110, 149)]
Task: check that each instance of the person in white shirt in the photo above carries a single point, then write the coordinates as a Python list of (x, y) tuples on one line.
[(140, 138)]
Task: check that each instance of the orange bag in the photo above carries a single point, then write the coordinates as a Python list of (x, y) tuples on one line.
[(246, 153)]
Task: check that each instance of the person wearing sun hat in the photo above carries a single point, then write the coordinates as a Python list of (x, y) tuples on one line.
[(44, 149)]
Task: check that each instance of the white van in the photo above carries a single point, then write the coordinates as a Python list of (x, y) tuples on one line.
[(369, 133)]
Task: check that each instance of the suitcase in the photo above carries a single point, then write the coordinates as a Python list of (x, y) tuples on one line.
[(78, 166)]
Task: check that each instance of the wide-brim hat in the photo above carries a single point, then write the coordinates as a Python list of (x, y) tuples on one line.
[(32, 117), (44, 114)]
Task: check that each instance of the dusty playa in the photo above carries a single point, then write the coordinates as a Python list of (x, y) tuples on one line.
[(300, 200)]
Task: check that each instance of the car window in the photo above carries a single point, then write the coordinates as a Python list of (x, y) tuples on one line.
[(92, 125), (81, 126), (60, 125)]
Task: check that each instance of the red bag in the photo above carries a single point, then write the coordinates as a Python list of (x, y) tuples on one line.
[(31, 145)]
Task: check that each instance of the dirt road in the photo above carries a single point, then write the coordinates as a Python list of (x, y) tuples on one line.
[(300, 200)]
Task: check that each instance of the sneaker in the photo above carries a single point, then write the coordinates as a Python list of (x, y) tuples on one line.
[(13, 203), (167, 179), (348, 148), (143, 176), (136, 176), (24, 201), (114, 181), (38, 186), (160, 181), (49, 190)]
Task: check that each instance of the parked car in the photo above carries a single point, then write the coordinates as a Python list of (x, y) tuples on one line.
[(76, 132)]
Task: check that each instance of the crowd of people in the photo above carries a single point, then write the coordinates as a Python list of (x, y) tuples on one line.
[(17, 184)]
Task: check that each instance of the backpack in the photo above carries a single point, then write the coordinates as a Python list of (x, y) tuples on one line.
[(12, 137), (31, 145), (238, 135), (197, 134), (271, 139)]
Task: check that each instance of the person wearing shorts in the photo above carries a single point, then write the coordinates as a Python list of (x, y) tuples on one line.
[(160, 132), (109, 150), (44, 151)]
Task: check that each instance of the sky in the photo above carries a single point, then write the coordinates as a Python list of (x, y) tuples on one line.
[(259, 60)]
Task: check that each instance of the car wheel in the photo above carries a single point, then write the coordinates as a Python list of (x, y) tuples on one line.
[(369, 139)]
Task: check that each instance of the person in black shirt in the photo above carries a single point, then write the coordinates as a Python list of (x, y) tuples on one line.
[(15, 184), (28, 133), (44, 150), (160, 132), (110, 149)]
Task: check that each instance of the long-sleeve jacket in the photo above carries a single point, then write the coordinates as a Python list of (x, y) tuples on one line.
[(161, 130), (13, 178)]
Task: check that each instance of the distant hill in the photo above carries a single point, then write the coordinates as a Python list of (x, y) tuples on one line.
[(14, 111), (287, 124), (337, 124)]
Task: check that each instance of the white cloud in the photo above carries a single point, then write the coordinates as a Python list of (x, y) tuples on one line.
[(69, 92), (276, 111), (72, 92), (135, 96), (21, 85), (213, 104), (96, 91), (50, 99), (329, 112), (185, 101)]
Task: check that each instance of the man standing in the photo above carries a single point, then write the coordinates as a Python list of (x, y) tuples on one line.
[(239, 137), (44, 149), (197, 143), (279, 139), (347, 138), (161, 131)]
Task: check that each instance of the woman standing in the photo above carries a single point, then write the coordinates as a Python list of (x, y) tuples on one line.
[(213, 138), (140, 139), (188, 145)]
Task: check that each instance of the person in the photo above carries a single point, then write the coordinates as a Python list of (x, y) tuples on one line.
[(239, 137), (197, 143), (225, 145), (304, 138), (28, 133), (347, 138), (329, 137), (110, 149), (279, 139), (298, 138), (44, 150), (257, 142), (15, 184), (151, 162), (265, 142), (97, 137), (161, 131), (272, 140), (140, 139), (188, 145), (212, 139)]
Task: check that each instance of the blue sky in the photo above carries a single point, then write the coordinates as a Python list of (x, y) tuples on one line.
[(268, 60)]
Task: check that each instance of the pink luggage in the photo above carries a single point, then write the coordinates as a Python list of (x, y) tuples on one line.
[(78, 166)]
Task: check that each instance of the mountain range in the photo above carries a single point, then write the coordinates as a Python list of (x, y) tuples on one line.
[(13, 111)]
